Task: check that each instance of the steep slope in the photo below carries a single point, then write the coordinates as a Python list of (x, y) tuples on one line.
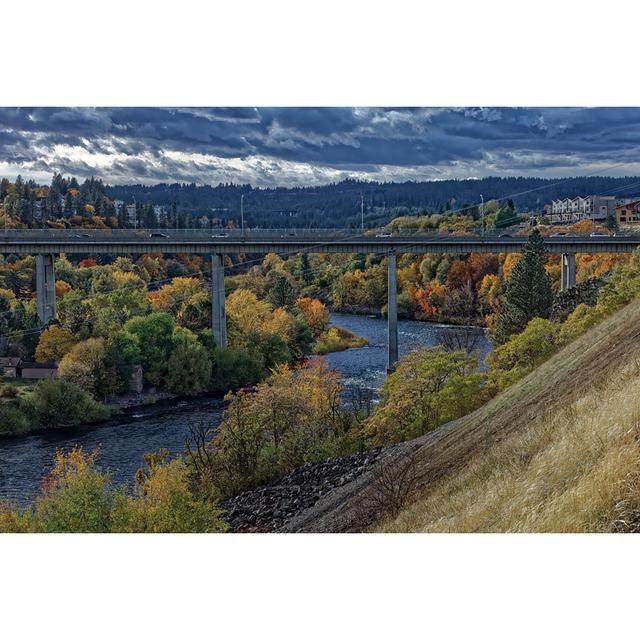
[(558, 451)]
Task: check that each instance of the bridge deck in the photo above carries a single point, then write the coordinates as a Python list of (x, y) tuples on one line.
[(122, 241)]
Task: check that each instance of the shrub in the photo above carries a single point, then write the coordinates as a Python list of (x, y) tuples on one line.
[(9, 391), (163, 502), (578, 322), (235, 368), (291, 418), (57, 403), (429, 387), (523, 352), (338, 339), (12, 420), (77, 497)]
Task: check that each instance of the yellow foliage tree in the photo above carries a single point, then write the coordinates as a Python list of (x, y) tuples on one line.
[(62, 287), (315, 313), (55, 342)]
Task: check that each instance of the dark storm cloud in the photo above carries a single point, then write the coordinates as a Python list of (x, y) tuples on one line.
[(294, 145)]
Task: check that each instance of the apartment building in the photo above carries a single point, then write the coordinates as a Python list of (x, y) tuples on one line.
[(596, 208), (628, 212)]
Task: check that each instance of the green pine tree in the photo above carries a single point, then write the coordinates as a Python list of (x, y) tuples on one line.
[(528, 291)]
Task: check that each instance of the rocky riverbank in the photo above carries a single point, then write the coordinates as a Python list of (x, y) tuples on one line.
[(270, 507)]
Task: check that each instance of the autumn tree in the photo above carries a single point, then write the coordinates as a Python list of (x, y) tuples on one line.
[(315, 313), (55, 342), (429, 387), (84, 366)]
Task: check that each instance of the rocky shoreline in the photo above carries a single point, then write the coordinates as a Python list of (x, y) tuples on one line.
[(270, 507)]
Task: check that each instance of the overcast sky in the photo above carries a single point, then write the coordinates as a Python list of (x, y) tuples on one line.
[(310, 146)]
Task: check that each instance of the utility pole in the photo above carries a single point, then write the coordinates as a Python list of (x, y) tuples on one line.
[(482, 212), (362, 211), (242, 214)]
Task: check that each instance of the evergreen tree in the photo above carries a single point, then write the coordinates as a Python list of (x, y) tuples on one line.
[(305, 271), (528, 292), (611, 223)]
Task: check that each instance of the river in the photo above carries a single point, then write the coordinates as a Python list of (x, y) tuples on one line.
[(24, 460)]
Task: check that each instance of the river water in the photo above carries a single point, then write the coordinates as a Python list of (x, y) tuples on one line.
[(24, 460)]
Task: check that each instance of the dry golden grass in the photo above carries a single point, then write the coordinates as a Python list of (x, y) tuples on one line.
[(557, 452)]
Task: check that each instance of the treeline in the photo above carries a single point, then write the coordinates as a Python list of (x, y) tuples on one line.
[(339, 204), (342, 204), (458, 289)]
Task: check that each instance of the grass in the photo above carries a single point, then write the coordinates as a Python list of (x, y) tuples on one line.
[(558, 451), (23, 387)]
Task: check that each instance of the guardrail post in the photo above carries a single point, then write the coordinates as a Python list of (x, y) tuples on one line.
[(45, 288), (392, 314), (218, 310)]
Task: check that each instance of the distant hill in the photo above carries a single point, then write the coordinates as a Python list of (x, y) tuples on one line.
[(340, 204)]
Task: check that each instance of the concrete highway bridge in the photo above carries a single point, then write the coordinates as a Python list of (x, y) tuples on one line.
[(45, 243)]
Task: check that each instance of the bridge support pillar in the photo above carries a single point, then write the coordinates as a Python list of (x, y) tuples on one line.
[(45, 288), (392, 315), (567, 271), (219, 313)]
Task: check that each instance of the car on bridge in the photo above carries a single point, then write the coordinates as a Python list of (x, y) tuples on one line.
[(384, 234), (598, 234), (157, 234), (222, 234)]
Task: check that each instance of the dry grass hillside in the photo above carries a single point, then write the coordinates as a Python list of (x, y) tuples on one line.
[(557, 451)]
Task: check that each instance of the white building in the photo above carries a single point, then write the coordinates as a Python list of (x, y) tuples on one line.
[(583, 208)]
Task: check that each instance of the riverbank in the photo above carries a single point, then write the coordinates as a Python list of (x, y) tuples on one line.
[(379, 314), (18, 420), (124, 439)]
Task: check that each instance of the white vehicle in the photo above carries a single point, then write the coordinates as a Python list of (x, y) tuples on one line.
[(598, 234), (222, 234), (384, 234)]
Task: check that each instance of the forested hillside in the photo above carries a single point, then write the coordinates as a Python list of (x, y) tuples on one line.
[(345, 204), (340, 204)]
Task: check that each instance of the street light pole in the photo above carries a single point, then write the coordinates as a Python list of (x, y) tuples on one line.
[(482, 212), (362, 212)]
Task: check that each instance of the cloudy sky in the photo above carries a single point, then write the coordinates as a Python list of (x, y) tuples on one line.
[(310, 146)]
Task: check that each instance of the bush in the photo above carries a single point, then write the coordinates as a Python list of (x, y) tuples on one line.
[(12, 420), (77, 497), (291, 418), (235, 368), (9, 391), (523, 352), (578, 322), (57, 403), (338, 339), (429, 387)]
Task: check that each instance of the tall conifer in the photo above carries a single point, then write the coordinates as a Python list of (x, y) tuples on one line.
[(528, 293)]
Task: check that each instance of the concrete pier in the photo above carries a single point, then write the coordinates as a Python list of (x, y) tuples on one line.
[(392, 315), (45, 288), (567, 271), (218, 310)]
